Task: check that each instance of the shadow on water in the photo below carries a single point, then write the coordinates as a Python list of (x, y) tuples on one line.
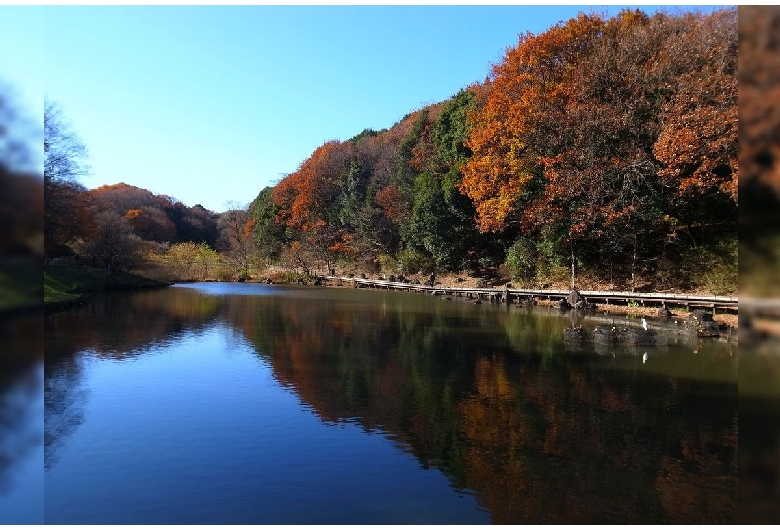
[(489, 396)]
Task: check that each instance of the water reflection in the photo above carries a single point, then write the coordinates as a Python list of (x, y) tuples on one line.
[(119, 326), (487, 395), (759, 433), (21, 411), (65, 395)]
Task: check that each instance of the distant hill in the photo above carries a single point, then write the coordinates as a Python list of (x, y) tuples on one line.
[(158, 218)]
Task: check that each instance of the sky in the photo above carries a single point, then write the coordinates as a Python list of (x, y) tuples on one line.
[(210, 104)]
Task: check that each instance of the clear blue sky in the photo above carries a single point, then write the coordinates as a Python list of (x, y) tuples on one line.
[(210, 104)]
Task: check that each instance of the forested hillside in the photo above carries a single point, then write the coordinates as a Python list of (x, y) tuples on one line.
[(607, 144)]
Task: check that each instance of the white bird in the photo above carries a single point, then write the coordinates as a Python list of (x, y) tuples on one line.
[(644, 358), (644, 323)]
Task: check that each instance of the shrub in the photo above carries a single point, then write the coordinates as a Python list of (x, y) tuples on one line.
[(721, 272), (521, 260), (388, 263), (413, 261)]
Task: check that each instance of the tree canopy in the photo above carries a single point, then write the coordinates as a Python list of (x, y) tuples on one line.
[(608, 141), (612, 136)]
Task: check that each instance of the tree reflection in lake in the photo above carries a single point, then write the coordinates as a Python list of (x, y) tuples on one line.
[(488, 395), (21, 411), (118, 327)]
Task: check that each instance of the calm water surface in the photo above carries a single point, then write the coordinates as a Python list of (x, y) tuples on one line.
[(21, 419), (241, 403)]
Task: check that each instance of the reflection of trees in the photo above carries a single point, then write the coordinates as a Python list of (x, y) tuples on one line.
[(125, 325), (582, 445), (759, 461), (64, 401), (487, 395), (553, 438), (117, 326), (759, 437), (385, 361), (22, 350)]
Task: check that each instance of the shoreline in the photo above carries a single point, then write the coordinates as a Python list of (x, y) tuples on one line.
[(445, 281), (642, 311), (722, 318), (68, 285)]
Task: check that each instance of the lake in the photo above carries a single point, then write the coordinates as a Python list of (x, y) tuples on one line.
[(21, 419), (223, 403)]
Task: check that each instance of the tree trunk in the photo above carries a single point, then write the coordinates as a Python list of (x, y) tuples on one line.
[(572, 268)]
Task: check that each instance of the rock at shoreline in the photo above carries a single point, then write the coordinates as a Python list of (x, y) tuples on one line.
[(563, 304), (586, 306), (626, 336), (702, 323), (573, 298)]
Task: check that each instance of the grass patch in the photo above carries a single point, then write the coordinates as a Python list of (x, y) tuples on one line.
[(66, 283), (20, 284), (759, 266)]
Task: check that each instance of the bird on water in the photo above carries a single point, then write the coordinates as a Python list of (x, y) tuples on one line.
[(644, 358), (644, 323)]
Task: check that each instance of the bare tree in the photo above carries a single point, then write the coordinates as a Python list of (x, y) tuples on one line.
[(64, 162), (65, 156), (298, 256), (114, 245), (235, 237)]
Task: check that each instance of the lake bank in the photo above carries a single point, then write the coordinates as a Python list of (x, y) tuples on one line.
[(463, 280), (70, 285), (449, 287)]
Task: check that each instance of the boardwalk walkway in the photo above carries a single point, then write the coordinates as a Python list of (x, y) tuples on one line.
[(689, 301)]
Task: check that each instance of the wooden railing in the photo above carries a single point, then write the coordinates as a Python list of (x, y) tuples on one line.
[(507, 295), (762, 307)]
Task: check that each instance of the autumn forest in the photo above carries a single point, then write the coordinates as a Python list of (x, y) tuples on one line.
[(607, 142)]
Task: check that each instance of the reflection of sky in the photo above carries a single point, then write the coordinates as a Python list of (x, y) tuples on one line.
[(319, 405), (204, 433), (217, 288), (21, 492)]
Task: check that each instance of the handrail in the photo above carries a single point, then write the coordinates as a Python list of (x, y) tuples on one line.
[(723, 301), (761, 306)]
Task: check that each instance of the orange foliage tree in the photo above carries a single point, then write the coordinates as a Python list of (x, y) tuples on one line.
[(304, 199), (524, 93), (697, 143), (613, 133)]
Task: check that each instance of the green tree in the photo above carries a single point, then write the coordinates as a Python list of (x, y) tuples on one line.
[(441, 223), (451, 130), (269, 235), (521, 259), (436, 225)]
